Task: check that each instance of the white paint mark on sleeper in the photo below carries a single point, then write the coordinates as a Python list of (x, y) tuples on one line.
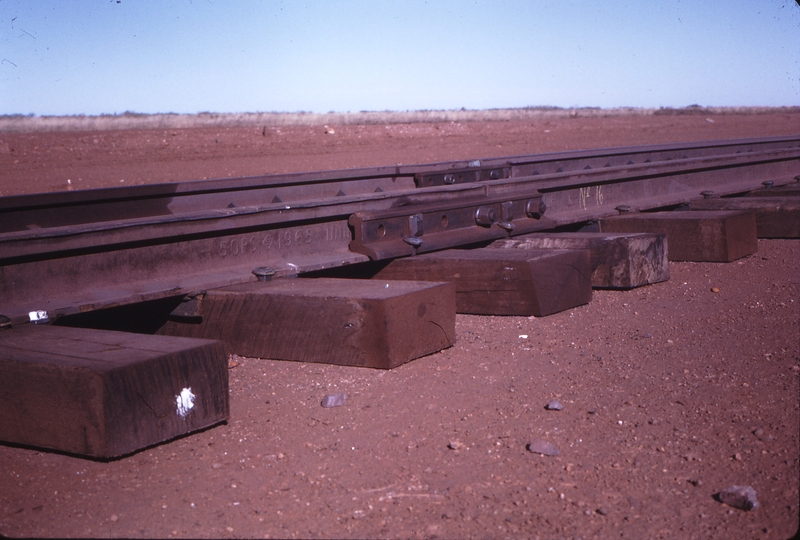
[(38, 317), (185, 402)]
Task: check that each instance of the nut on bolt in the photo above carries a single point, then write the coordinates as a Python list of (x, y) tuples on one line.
[(263, 273), (535, 208), (485, 216), (708, 194)]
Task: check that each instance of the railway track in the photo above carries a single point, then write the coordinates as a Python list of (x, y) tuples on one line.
[(72, 252), (200, 249)]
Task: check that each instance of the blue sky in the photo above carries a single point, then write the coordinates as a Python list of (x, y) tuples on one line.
[(187, 56)]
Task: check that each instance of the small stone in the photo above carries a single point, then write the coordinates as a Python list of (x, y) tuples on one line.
[(554, 405), (603, 511), (456, 445), (542, 447), (334, 400), (114, 517), (741, 497), (715, 289)]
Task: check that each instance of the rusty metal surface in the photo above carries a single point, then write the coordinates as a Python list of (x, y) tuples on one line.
[(46, 210), (534, 203), (79, 251)]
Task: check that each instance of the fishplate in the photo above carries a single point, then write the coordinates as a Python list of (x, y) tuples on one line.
[(462, 176), (422, 228)]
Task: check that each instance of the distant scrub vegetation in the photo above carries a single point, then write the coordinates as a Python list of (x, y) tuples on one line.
[(134, 120)]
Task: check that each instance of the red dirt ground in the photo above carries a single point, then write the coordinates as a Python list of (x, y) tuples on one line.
[(671, 392)]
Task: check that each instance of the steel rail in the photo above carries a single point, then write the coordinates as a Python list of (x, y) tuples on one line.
[(64, 208), (72, 252)]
